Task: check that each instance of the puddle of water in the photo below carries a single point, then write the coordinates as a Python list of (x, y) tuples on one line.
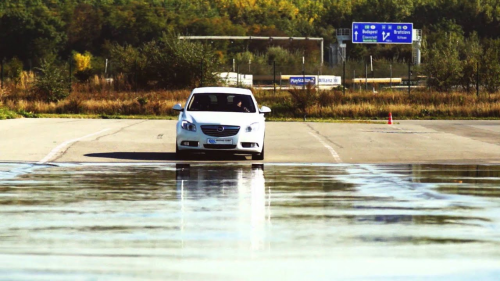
[(236, 222)]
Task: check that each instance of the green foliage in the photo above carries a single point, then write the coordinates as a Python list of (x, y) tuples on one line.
[(27, 114), (32, 30), (452, 60), (13, 70), (471, 56), (7, 114), (166, 63), (490, 66), (142, 101), (443, 63), (51, 83)]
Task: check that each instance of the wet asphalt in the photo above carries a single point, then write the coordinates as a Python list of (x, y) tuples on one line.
[(160, 221)]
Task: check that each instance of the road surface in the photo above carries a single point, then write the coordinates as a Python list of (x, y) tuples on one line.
[(87, 140)]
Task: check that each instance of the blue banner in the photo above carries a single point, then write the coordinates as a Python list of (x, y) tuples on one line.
[(299, 80)]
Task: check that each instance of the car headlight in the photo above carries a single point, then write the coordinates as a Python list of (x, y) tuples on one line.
[(186, 125), (253, 127)]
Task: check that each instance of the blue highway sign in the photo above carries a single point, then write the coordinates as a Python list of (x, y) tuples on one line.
[(382, 33)]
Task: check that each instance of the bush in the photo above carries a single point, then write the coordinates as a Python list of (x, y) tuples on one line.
[(329, 98), (303, 98), (51, 83), (83, 66), (13, 70), (6, 113)]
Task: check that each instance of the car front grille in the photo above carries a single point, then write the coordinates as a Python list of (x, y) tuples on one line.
[(220, 130), (220, 146)]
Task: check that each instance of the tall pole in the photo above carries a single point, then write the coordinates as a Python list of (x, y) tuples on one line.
[(371, 67), (135, 75), (274, 76), (70, 74), (353, 79), (477, 79), (106, 69), (391, 75), (201, 73), (110, 69), (303, 74), (321, 53), (3, 61), (343, 77), (238, 75), (366, 76), (409, 77)]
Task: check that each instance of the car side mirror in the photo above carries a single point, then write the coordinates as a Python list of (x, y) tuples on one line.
[(264, 109), (178, 107)]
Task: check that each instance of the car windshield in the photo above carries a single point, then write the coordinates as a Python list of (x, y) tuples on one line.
[(221, 102)]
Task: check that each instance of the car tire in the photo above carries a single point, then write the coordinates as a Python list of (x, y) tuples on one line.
[(179, 154), (259, 156)]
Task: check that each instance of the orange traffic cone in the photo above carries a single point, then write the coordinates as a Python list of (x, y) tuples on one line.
[(390, 119)]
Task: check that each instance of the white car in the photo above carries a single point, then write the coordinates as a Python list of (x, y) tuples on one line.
[(221, 119)]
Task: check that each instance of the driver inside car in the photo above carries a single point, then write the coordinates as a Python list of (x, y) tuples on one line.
[(239, 106)]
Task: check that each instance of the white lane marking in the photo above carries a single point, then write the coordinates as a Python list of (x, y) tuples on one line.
[(66, 143), (332, 151)]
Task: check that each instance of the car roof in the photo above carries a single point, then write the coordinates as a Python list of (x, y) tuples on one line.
[(222, 90)]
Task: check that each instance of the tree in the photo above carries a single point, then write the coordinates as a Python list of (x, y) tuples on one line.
[(30, 32), (471, 54), (442, 57), (490, 66), (84, 28), (167, 63), (83, 65), (51, 83)]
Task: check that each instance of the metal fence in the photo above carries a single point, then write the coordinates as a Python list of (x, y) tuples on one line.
[(354, 74)]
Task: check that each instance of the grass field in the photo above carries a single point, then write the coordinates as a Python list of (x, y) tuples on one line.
[(322, 105)]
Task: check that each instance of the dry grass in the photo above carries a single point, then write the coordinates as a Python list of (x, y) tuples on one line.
[(101, 97), (111, 103)]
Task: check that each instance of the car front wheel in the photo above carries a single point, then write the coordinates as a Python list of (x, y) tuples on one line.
[(179, 154), (259, 156)]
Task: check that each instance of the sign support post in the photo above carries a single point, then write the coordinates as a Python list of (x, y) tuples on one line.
[(366, 77), (303, 73), (274, 76), (409, 78), (477, 80), (343, 77)]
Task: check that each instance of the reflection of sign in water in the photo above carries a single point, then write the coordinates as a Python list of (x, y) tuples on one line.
[(382, 33), (299, 80)]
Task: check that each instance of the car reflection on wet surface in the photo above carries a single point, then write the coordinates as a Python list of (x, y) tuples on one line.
[(243, 222)]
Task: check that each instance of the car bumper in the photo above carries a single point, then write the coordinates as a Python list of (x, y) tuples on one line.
[(243, 142)]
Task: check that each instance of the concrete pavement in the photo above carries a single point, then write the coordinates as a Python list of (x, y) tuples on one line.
[(87, 140)]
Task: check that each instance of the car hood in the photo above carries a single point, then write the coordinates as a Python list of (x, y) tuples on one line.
[(223, 118)]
